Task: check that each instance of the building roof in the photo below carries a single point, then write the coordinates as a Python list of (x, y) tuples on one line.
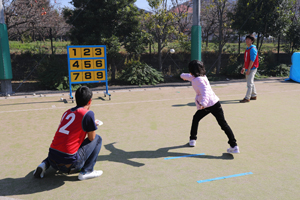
[(186, 6)]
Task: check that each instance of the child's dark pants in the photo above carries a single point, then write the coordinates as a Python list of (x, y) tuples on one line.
[(217, 111)]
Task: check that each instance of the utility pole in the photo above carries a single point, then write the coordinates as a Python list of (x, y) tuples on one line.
[(5, 62), (196, 31)]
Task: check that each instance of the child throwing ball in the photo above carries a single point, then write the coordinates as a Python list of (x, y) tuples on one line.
[(207, 102)]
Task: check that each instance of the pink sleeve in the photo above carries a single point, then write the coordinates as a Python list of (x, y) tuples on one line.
[(186, 76)]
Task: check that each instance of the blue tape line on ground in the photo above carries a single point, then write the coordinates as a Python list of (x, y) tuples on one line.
[(184, 156), (224, 177)]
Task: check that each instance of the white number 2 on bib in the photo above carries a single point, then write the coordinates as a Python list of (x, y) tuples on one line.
[(63, 129)]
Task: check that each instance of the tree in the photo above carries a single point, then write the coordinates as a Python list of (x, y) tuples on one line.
[(220, 9), (184, 15), (101, 22), (162, 25), (208, 20), (264, 17), (292, 36), (136, 43), (291, 33), (28, 18)]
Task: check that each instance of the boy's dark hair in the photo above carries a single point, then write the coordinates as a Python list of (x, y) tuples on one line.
[(251, 37), (83, 95), (196, 68)]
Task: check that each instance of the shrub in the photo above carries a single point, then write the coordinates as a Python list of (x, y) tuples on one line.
[(269, 59), (269, 67), (26, 38), (138, 73), (184, 43), (53, 73), (279, 70), (234, 66)]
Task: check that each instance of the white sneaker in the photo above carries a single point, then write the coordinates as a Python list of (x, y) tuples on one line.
[(233, 150), (192, 143), (88, 175), (40, 171)]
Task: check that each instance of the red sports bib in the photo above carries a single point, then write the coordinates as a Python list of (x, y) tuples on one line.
[(70, 135), (247, 59)]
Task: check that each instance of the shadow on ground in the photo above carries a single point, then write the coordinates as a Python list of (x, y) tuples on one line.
[(181, 105), (230, 101), (30, 185), (53, 180), (222, 102), (121, 156)]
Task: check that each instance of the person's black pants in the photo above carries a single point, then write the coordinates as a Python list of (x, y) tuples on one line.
[(217, 111)]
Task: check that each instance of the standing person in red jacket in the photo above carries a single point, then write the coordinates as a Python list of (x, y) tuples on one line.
[(75, 146), (250, 67)]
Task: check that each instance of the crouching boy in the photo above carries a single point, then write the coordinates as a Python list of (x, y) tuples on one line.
[(75, 146)]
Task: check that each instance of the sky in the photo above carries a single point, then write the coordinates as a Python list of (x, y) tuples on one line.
[(139, 3)]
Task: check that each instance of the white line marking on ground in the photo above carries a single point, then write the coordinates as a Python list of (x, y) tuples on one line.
[(132, 102), (10, 111), (108, 104)]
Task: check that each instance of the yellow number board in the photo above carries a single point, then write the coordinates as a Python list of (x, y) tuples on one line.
[(87, 64), (90, 61)]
